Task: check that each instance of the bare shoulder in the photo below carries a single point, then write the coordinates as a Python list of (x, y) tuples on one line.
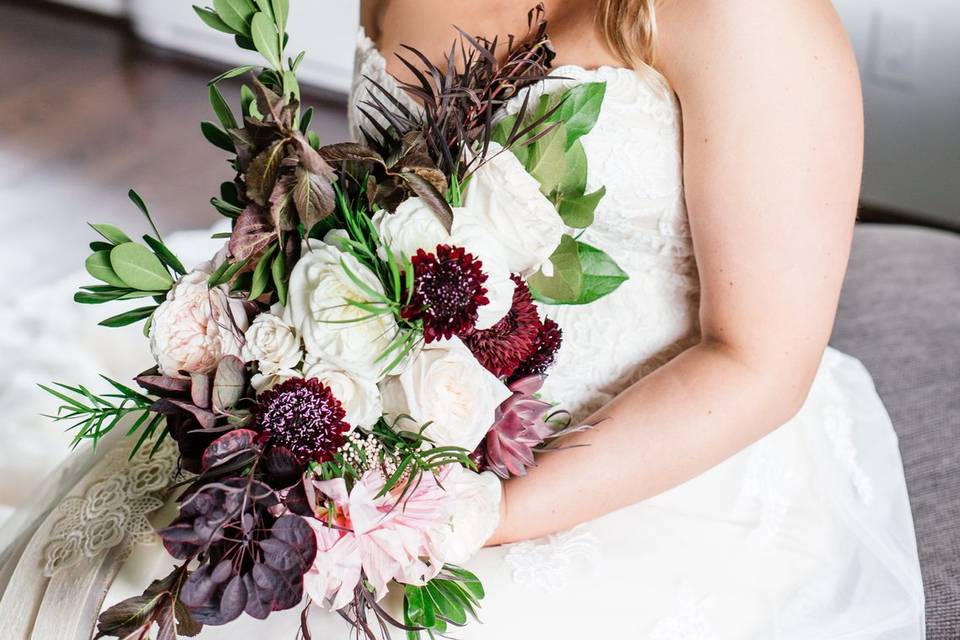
[(796, 40)]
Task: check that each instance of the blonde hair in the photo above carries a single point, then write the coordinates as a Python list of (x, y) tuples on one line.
[(629, 29)]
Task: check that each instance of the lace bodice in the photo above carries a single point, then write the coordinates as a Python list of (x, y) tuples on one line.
[(635, 152)]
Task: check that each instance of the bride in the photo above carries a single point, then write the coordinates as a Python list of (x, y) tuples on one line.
[(743, 480)]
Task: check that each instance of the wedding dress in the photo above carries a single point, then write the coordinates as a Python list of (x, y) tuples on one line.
[(806, 534)]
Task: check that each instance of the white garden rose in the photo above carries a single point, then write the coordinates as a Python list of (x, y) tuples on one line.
[(447, 387), (412, 226), (318, 306), (273, 343), (470, 233), (506, 200), (196, 326), (263, 381), (360, 397), (474, 512)]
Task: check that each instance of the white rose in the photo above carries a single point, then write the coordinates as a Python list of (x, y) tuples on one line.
[(470, 232), (507, 201), (412, 226), (474, 512), (360, 397), (332, 329), (196, 326), (446, 387), (273, 343), (263, 381)]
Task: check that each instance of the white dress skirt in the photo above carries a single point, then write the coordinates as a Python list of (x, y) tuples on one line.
[(805, 535)]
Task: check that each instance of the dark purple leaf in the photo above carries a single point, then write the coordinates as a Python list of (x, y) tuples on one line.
[(283, 470), (263, 171), (252, 233), (170, 406), (291, 547), (162, 385), (228, 446)]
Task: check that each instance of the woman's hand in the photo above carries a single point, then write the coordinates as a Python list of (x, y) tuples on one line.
[(772, 123)]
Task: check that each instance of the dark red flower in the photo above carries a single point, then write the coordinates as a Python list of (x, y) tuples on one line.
[(302, 416), (502, 347), (548, 342), (447, 291)]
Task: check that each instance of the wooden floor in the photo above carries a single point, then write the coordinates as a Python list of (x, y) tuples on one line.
[(87, 112)]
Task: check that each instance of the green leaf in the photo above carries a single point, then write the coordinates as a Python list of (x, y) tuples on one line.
[(97, 245), (140, 204), (111, 233), (217, 136), (468, 579), (248, 103), (225, 208), (128, 317), (580, 109), (166, 256), (281, 11), (599, 276), (233, 73), (236, 14), (261, 274), (139, 268), (305, 119), (547, 161), (98, 266), (577, 211), (212, 20), (565, 285), (279, 272), (221, 108), (264, 35), (265, 6)]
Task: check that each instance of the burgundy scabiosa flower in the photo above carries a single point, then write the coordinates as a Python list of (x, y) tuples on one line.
[(447, 291), (502, 347), (547, 343), (302, 416)]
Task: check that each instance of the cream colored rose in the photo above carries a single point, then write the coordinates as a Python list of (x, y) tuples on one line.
[(506, 200), (412, 226), (262, 381), (272, 343), (470, 232), (360, 397), (446, 387), (474, 512), (332, 329), (196, 326)]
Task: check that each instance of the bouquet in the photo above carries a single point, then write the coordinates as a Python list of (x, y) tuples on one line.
[(348, 380)]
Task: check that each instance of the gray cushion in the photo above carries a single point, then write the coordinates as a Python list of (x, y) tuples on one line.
[(900, 315)]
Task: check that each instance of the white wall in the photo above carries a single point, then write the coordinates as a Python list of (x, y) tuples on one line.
[(909, 55)]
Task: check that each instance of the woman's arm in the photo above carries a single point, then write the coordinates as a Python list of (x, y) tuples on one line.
[(772, 156)]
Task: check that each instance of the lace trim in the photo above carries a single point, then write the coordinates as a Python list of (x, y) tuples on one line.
[(838, 426), (768, 485), (548, 563), (113, 510)]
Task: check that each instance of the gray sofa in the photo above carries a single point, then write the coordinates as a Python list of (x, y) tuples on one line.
[(900, 315)]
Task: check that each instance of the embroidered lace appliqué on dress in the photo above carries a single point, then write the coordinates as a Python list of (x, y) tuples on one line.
[(113, 509), (549, 562)]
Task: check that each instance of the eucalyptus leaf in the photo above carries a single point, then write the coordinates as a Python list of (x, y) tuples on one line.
[(228, 383), (98, 266), (212, 20), (236, 14), (111, 233), (264, 35), (139, 268), (221, 108), (565, 285)]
